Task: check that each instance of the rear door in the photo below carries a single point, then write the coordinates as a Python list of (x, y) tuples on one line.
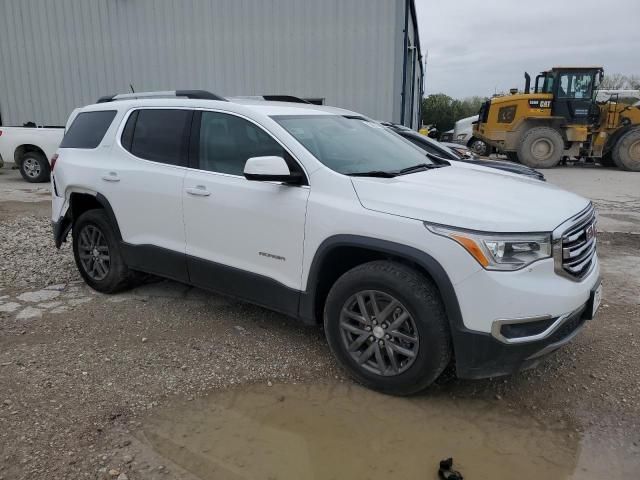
[(143, 182), (244, 238)]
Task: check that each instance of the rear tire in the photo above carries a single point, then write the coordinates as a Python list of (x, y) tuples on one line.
[(479, 147), (541, 147), (401, 342), (34, 167), (96, 250), (626, 152)]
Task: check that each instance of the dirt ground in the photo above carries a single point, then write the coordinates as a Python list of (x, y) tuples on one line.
[(160, 382)]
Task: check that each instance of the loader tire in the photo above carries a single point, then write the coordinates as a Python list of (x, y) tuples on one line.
[(626, 152), (541, 147)]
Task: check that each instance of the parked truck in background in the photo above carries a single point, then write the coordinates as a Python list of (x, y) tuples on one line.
[(30, 149), (463, 134)]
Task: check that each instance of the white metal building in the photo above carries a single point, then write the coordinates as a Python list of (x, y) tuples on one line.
[(362, 55)]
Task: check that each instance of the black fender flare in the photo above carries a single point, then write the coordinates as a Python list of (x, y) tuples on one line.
[(102, 200), (63, 226), (437, 273), (471, 348)]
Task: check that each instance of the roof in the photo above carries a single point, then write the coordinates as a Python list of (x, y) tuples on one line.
[(232, 104)]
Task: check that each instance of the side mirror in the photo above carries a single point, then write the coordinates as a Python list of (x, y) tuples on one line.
[(270, 169)]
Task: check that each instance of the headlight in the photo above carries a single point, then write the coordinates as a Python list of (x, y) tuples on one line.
[(499, 251)]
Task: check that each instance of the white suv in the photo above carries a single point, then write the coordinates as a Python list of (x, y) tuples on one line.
[(321, 214)]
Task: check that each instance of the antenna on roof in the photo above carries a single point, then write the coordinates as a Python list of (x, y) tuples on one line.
[(131, 87)]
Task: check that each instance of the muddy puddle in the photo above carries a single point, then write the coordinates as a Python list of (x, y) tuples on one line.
[(343, 431)]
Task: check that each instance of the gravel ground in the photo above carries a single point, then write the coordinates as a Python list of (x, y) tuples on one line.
[(80, 371), (29, 256)]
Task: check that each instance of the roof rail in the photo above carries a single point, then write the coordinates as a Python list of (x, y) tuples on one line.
[(195, 94), (274, 98), (284, 98)]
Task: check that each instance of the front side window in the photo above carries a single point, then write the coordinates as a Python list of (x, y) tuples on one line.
[(88, 129), (228, 141), (159, 135), (351, 145), (575, 85)]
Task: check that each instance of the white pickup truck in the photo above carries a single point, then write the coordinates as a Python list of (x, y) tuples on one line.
[(30, 148)]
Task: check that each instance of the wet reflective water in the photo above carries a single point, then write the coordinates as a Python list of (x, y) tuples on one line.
[(348, 432)]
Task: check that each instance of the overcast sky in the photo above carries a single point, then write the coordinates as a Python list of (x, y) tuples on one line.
[(478, 46)]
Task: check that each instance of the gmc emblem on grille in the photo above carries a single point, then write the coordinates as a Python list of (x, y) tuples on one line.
[(590, 232)]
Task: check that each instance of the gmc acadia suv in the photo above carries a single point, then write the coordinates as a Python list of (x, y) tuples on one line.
[(327, 216)]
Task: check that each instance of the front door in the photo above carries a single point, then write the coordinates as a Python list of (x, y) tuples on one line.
[(244, 238), (573, 96)]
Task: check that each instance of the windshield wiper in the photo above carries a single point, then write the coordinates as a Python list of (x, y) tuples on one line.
[(420, 166), (373, 173)]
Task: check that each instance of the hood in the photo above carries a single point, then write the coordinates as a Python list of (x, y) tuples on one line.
[(473, 198)]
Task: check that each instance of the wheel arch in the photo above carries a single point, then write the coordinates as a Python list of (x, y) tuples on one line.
[(80, 202), (340, 253), (25, 148)]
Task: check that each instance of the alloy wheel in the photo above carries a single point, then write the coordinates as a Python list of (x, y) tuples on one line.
[(379, 332), (31, 167), (94, 252)]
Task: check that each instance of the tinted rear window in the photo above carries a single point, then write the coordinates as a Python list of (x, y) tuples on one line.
[(158, 135), (88, 129)]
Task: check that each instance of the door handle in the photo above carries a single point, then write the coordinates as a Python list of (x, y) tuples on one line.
[(112, 177), (198, 191)]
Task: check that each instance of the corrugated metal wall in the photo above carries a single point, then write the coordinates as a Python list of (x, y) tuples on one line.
[(56, 55)]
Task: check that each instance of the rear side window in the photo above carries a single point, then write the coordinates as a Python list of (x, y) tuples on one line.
[(159, 135), (88, 129)]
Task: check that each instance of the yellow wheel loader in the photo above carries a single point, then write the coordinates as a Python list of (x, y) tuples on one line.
[(561, 117)]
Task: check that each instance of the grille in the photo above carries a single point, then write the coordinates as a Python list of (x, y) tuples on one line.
[(579, 245)]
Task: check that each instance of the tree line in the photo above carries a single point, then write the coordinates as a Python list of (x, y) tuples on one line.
[(618, 81), (443, 111)]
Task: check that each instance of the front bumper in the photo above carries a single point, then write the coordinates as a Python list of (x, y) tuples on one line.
[(481, 355), (489, 300)]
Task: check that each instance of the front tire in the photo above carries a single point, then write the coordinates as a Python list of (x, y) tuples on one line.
[(97, 253), (34, 167), (386, 325), (480, 147), (626, 152), (541, 147)]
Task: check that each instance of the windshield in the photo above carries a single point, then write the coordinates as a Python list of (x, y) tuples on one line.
[(351, 145)]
